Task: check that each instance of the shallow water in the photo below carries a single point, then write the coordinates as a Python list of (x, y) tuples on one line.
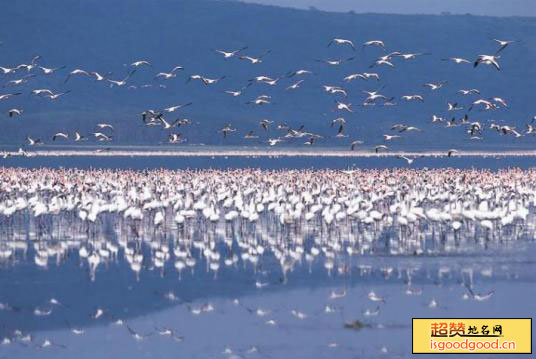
[(143, 302), (157, 298), (266, 162)]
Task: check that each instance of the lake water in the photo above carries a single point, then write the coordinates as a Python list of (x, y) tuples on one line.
[(243, 310), (266, 162)]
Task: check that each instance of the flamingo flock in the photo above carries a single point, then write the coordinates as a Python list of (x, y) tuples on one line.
[(226, 217), (343, 90)]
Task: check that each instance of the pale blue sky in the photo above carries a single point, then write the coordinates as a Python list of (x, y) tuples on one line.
[(477, 7)]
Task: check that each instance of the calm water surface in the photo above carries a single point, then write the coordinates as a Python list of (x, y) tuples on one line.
[(251, 311)]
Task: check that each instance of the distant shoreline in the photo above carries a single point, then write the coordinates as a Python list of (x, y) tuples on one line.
[(206, 151)]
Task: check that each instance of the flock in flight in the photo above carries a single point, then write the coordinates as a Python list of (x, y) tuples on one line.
[(170, 119)]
